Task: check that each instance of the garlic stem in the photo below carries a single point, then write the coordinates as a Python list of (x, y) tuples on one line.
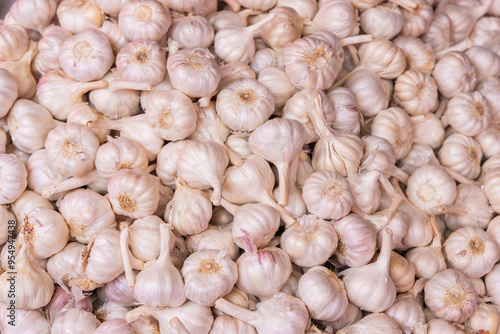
[(435, 229), (140, 312), (230, 207), (462, 46), (71, 183), (236, 311), (354, 54), (393, 208), (388, 187), (235, 5), (248, 243), (124, 235), (151, 168), (358, 39), (234, 157), (461, 179), (165, 231), (400, 174), (284, 176), (386, 249), (418, 287), (443, 102), (92, 85), (254, 28), (126, 84)]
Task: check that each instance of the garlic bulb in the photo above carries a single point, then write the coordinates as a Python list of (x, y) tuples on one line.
[(233, 43), (22, 321), (419, 55), (438, 35), (194, 72), (71, 149), (461, 154), (278, 315), (33, 286), (119, 292), (245, 104), (166, 162), (418, 19), (468, 113), (75, 321), (110, 310), (59, 93), (313, 62), (323, 293), (370, 92), (306, 9), (346, 24), (382, 21), (191, 31), (379, 281), (395, 126), (75, 16), (111, 7), (67, 265), (142, 61), (233, 72), (265, 58), (115, 36), (347, 116), (402, 272), (427, 130), (437, 326), (285, 28), (8, 90), (62, 301), (335, 199), (144, 20), (258, 4), (86, 56), (486, 317), (7, 217), (351, 316), (357, 241), (489, 140), (20, 71), (365, 190), (490, 187), (48, 48), (224, 18), (82, 114), (195, 317), (431, 186), (416, 92), (128, 196), (451, 296), (490, 88), (454, 73), (13, 178), (309, 242), (208, 275), (171, 114), (278, 83), (485, 61), (225, 324), (271, 265), (472, 251), (493, 229), (274, 134), (102, 259), (40, 13), (214, 238), (40, 175), (492, 280), (14, 42)]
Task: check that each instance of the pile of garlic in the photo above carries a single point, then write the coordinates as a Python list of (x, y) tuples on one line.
[(250, 166)]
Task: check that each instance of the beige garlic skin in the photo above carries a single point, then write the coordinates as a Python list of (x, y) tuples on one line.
[(486, 317), (208, 275), (372, 94), (166, 162), (117, 154), (40, 13), (382, 21), (454, 73), (451, 296), (346, 24), (395, 126), (75, 321), (71, 149), (245, 104), (133, 193), (468, 113), (309, 242), (419, 55), (485, 61), (13, 178), (402, 272), (323, 293), (76, 16), (8, 91), (418, 19), (276, 80), (191, 31), (427, 130), (416, 92), (142, 61), (285, 28), (144, 20), (472, 251), (429, 187), (14, 42), (313, 62), (461, 154)]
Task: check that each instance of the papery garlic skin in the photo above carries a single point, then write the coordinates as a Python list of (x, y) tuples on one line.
[(20, 70), (416, 92), (486, 317), (82, 114), (194, 72), (418, 19), (8, 91), (382, 21), (115, 36), (86, 56), (6, 217), (346, 23), (71, 149), (347, 116), (471, 208), (265, 58), (327, 195), (75, 321), (468, 113), (118, 291), (285, 28), (114, 326), (313, 62), (454, 73), (371, 94), (76, 16), (144, 20), (133, 193), (26, 321), (40, 175), (214, 237), (395, 126), (142, 61), (323, 293), (472, 251), (103, 257), (485, 61), (451, 296), (13, 178)]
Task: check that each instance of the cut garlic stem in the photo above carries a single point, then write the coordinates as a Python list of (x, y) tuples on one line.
[(435, 230), (92, 85), (358, 39), (126, 84)]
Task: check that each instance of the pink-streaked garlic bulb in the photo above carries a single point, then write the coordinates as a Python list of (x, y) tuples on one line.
[(454, 73), (62, 301), (71, 149), (8, 91), (13, 41), (285, 28), (416, 92), (468, 113), (115, 36), (171, 114), (202, 166), (48, 48), (323, 293), (451, 296), (144, 20), (75, 16), (13, 178), (86, 213), (313, 62), (142, 61), (117, 154), (395, 126), (134, 193), (119, 292), (357, 241), (270, 264), (382, 21), (371, 93), (327, 195), (191, 31), (461, 154), (40, 13), (310, 241), (194, 72), (75, 321), (86, 56), (58, 92), (419, 55), (345, 25)]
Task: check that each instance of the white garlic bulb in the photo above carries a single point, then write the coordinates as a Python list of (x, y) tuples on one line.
[(491, 179), (115, 36), (214, 238), (310, 241), (285, 28), (142, 61), (419, 55), (166, 162), (370, 92), (454, 73), (40, 13), (427, 129), (102, 259), (347, 116), (382, 21), (468, 113), (265, 58), (75, 321), (117, 154), (486, 62), (485, 317), (323, 293), (395, 126), (8, 91), (75, 16), (86, 56), (23, 321), (20, 71), (13, 178), (40, 175), (416, 92), (109, 310), (225, 324), (191, 31), (351, 316), (144, 238), (461, 154), (144, 20), (114, 326), (278, 83), (83, 114), (471, 208), (417, 19), (492, 281), (118, 291), (451, 296), (67, 265), (346, 25)]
